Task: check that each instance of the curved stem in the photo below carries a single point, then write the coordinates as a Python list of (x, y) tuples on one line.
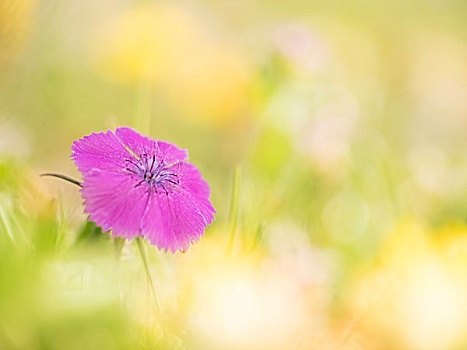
[(64, 177)]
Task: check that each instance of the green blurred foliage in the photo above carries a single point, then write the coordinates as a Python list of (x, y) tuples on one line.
[(347, 120)]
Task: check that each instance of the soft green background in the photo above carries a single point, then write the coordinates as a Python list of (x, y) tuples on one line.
[(344, 226)]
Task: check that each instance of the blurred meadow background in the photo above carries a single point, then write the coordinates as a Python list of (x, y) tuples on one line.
[(333, 135)]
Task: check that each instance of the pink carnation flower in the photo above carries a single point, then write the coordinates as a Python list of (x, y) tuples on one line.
[(140, 187)]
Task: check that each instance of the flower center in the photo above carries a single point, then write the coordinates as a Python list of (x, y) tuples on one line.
[(152, 172)]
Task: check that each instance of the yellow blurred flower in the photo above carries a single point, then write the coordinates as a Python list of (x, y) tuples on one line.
[(203, 77), (415, 292), (15, 22), (243, 300), (453, 244), (35, 198)]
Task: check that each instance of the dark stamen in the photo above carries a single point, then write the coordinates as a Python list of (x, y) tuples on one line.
[(129, 160), (139, 183), (131, 171), (153, 162), (163, 187)]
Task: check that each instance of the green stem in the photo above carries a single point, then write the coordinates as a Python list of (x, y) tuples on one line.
[(258, 235), (144, 257), (6, 225), (234, 205), (61, 223), (118, 247), (141, 116)]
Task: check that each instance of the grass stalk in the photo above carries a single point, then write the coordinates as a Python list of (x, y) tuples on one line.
[(144, 257), (6, 225), (142, 112), (234, 205)]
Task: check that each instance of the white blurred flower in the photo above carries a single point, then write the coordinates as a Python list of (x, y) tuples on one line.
[(431, 170), (326, 136), (13, 141), (298, 44)]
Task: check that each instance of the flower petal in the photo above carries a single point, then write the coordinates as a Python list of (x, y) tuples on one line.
[(102, 151), (172, 212), (191, 179), (115, 201), (170, 153), (171, 222), (139, 145), (195, 188), (177, 216)]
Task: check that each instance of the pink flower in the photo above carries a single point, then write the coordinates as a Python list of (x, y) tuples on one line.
[(140, 187)]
